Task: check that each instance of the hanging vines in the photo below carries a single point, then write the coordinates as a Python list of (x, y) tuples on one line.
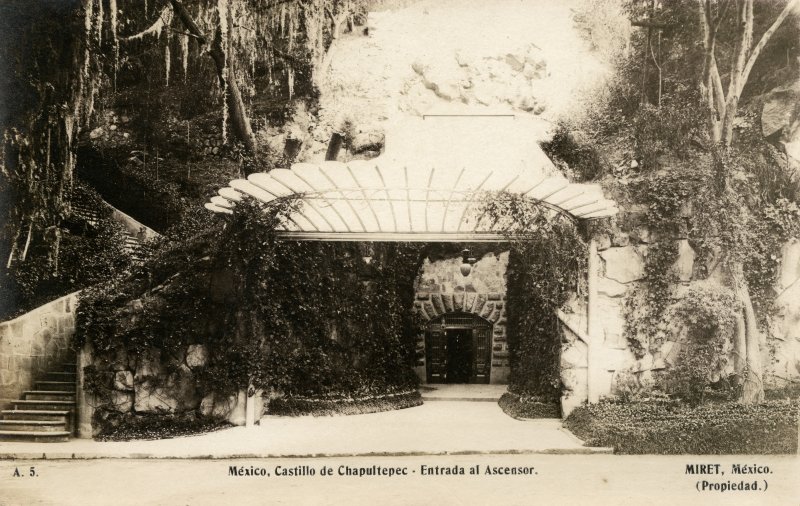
[(54, 75)]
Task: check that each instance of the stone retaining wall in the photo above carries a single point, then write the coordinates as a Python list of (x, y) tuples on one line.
[(34, 343)]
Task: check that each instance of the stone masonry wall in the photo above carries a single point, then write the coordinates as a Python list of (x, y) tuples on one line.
[(34, 343), (622, 268), (441, 288)]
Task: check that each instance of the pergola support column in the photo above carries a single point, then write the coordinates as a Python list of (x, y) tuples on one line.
[(593, 366)]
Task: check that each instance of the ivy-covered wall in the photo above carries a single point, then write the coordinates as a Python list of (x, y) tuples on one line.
[(224, 306), (635, 354)]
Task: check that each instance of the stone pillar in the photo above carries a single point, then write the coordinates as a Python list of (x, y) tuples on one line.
[(84, 409), (592, 327), (238, 414)]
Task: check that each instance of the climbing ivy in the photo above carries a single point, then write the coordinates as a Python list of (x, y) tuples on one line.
[(547, 263), (307, 319), (709, 316)]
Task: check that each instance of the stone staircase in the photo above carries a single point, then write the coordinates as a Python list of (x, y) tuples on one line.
[(46, 414), (132, 242)]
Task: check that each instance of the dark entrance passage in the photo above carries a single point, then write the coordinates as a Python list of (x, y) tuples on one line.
[(459, 355), (458, 349)]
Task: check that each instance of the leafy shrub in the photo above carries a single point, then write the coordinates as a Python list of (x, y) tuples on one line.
[(673, 428), (517, 406), (88, 253), (709, 315), (582, 159), (543, 270)]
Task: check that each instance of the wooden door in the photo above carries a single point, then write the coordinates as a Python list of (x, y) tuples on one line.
[(473, 331), (436, 354), (482, 345)]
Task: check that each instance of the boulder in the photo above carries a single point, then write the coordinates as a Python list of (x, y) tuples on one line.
[(150, 399), (620, 239), (624, 265), (780, 110), (684, 265), (148, 364), (574, 355), (603, 242), (176, 392), (196, 355), (611, 288), (122, 401), (123, 380), (217, 405)]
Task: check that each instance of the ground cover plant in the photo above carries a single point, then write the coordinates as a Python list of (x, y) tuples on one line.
[(294, 406), (129, 426), (668, 427), (521, 406)]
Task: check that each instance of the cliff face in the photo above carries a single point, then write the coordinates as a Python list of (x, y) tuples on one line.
[(452, 57)]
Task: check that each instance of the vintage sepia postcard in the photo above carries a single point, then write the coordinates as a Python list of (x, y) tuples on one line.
[(399, 252)]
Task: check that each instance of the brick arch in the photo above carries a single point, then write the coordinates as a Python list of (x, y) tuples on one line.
[(489, 306)]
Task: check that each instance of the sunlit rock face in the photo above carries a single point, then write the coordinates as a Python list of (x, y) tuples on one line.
[(454, 57)]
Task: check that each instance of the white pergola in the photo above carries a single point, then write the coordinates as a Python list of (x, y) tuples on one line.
[(384, 200), (381, 200)]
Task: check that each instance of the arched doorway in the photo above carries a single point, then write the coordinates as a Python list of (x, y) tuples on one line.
[(458, 349)]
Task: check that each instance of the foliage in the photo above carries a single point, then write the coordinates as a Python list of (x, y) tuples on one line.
[(672, 428), (709, 317), (545, 266), (128, 426), (47, 99), (519, 407), (88, 253), (306, 319), (330, 407), (583, 159), (135, 187)]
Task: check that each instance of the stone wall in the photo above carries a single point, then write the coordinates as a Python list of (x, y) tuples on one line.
[(622, 261), (784, 341), (147, 383), (34, 343), (441, 288)]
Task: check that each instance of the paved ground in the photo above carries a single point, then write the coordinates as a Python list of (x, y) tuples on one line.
[(456, 392), (559, 480), (433, 428)]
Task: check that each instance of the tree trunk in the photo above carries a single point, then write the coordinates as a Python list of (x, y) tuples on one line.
[(752, 386), (740, 347), (226, 74), (722, 109)]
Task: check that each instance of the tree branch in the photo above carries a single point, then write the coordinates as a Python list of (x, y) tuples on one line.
[(793, 4)]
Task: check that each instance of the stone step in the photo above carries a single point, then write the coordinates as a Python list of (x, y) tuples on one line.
[(35, 436), (48, 395), (61, 376), (49, 405), (33, 425), (36, 414), (67, 386)]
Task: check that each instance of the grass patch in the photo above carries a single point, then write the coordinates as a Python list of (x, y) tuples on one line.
[(331, 407), (672, 428), (517, 406), (135, 426)]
